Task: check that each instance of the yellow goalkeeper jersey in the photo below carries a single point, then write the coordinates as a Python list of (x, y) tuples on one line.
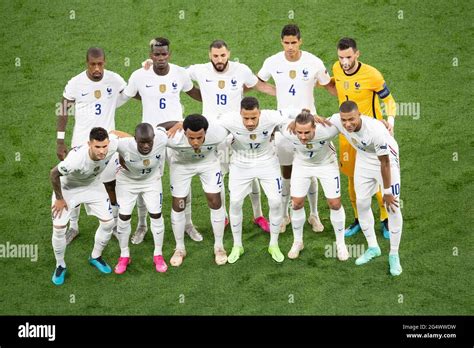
[(365, 86)]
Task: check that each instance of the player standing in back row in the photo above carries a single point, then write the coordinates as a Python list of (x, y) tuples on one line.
[(222, 83), (295, 73), (160, 89), (94, 94)]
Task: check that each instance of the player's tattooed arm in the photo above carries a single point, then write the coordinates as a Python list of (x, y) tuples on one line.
[(195, 93), (61, 148), (391, 203), (59, 203)]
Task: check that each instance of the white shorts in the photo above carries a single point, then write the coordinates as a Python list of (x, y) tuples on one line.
[(111, 170), (240, 180), (327, 174), (94, 197), (182, 174), (368, 182), (285, 150), (128, 191)]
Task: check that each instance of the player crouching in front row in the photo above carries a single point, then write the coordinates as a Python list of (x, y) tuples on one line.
[(76, 181)]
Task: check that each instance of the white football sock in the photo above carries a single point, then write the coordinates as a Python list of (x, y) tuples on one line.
[(124, 228), (298, 218), (338, 221), (217, 221), (223, 200), (187, 209), (59, 245), (255, 199), (366, 221), (236, 216), (177, 225), (275, 217), (115, 212), (157, 229), (74, 217), (141, 211), (313, 197), (102, 237), (395, 226), (285, 197)]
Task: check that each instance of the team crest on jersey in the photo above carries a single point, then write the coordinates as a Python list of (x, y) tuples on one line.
[(357, 86), (265, 133), (97, 94), (346, 84), (305, 74), (162, 88), (175, 85), (96, 169), (197, 151), (234, 82), (292, 74), (109, 91), (146, 162), (253, 136), (309, 146), (221, 84)]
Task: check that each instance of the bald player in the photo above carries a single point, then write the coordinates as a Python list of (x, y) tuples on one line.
[(141, 158)]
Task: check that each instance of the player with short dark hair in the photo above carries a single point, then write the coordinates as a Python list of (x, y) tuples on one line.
[(365, 85), (193, 152), (160, 91), (76, 180), (93, 95), (296, 73)]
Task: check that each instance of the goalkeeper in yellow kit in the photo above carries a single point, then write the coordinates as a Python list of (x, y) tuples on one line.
[(364, 85)]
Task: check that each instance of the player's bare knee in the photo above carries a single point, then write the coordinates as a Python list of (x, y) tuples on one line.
[(334, 203), (286, 172), (125, 217), (179, 204), (155, 216), (297, 203), (214, 200)]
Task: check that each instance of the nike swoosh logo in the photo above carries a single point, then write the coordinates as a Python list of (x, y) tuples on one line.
[(132, 161), (279, 72), (208, 80), (148, 86), (84, 94)]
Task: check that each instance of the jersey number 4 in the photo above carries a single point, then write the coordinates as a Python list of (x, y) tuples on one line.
[(292, 90)]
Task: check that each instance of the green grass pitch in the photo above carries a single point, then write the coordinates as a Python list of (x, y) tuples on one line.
[(424, 51)]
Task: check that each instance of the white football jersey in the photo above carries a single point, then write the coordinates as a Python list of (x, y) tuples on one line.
[(95, 103), (372, 140), (295, 81), (251, 148), (161, 100), (318, 151), (143, 168), (79, 170), (181, 151), (221, 91)]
